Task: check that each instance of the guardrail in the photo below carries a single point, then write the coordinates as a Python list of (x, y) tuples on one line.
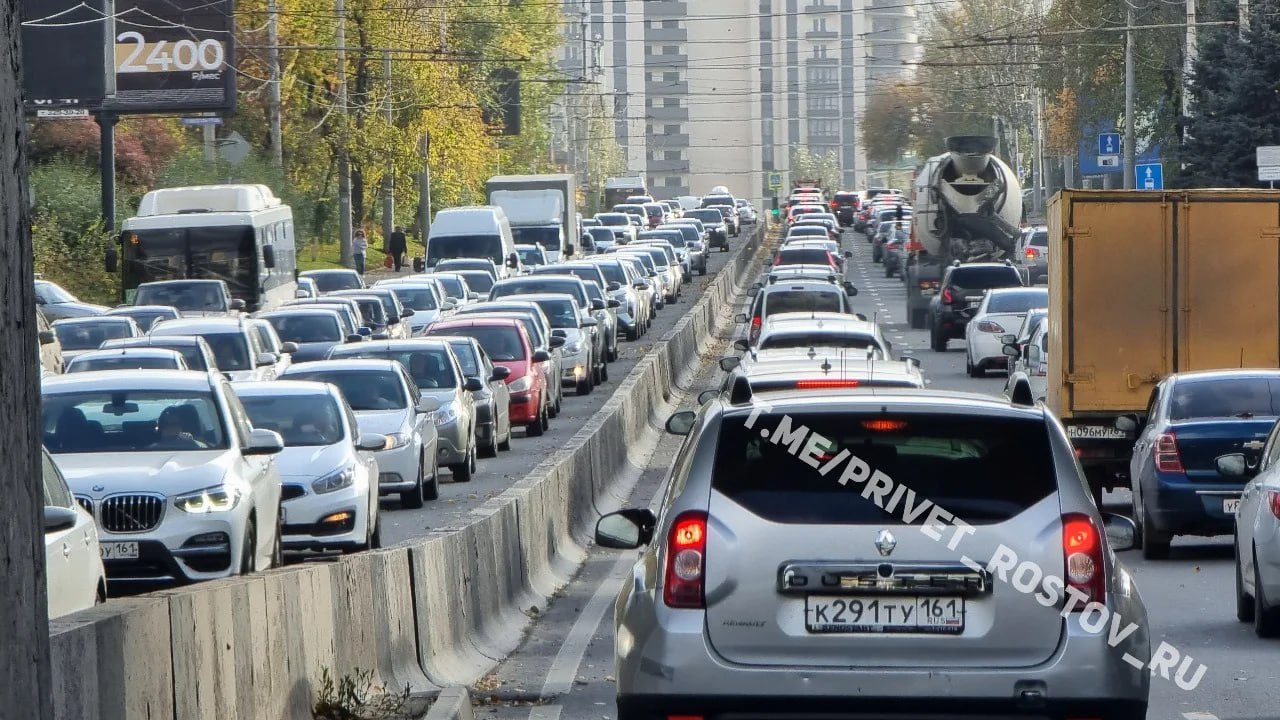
[(426, 614)]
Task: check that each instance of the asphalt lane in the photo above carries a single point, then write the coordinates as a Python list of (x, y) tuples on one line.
[(565, 667)]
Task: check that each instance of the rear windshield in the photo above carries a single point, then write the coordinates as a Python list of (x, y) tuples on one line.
[(416, 298), (785, 340), (430, 367), (332, 282), (90, 335), (613, 273), (502, 343), (363, 389), (191, 353), (1018, 301), (124, 362), (985, 278), (712, 216), (479, 280), (813, 256), (960, 464), (536, 286), (308, 328), (1039, 239), (1225, 397), (785, 301)]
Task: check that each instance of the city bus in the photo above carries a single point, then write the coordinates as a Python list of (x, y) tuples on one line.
[(241, 234)]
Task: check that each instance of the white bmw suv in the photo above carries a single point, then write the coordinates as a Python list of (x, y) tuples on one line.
[(181, 485)]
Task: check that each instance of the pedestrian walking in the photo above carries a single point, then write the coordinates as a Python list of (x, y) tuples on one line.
[(398, 245), (359, 247)]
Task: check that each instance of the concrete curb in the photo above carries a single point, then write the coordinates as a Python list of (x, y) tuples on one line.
[(453, 703), (430, 614)]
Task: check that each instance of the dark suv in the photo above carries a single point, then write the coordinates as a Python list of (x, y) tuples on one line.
[(845, 205), (963, 287)]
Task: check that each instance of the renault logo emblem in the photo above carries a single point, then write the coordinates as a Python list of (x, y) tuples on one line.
[(886, 542)]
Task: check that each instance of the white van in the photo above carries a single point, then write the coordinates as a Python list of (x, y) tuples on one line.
[(481, 231)]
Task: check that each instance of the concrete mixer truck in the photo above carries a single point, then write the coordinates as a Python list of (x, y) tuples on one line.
[(967, 207)]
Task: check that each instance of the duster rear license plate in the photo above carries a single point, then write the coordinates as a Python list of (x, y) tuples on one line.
[(853, 614)]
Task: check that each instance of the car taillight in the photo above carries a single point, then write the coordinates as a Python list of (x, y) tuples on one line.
[(834, 205), (755, 323), (915, 246), (825, 384), (891, 245), (1032, 253), (1082, 555), (686, 561), (947, 297), (1273, 499), (1167, 457), (987, 326)]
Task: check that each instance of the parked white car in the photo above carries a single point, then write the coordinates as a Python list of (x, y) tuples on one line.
[(181, 486), (328, 469), (1000, 313), (73, 562), (387, 402)]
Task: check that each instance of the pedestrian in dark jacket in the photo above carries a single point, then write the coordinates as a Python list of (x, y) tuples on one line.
[(397, 245)]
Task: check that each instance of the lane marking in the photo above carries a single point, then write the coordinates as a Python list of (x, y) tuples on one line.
[(545, 712), (1199, 716)]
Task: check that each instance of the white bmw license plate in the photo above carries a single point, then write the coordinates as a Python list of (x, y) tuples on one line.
[(1095, 432), (889, 614), (119, 550), (1231, 506)]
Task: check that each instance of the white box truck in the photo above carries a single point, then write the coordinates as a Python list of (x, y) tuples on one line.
[(542, 209)]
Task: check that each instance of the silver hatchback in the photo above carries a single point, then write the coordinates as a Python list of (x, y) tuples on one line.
[(907, 553)]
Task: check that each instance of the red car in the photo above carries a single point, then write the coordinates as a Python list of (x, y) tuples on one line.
[(507, 343)]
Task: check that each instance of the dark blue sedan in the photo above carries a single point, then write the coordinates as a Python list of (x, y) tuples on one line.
[(1192, 420)]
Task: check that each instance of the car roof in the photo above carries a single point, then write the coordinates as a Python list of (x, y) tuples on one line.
[(146, 340), (805, 284), (1018, 290), (464, 321), (202, 324), (277, 388), (836, 322), (126, 309), (108, 380), (142, 351), (184, 281), (534, 297), (367, 364), (520, 246), (887, 400), (1206, 375), (88, 319), (328, 271)]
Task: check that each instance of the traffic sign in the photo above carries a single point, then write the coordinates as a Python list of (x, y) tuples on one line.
[(201, 121), (1108, 144), (1268, 155), (1149, 176), (1108, 161), (775, 181), (62, 113), (1269, 173)]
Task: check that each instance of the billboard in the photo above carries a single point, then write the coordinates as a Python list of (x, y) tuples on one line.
[(169, 56), (53, 78)]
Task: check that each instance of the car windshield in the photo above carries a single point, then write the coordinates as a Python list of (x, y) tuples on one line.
[(536, 285), (429, 367), (712, 217), (958, 463), (188, 297), (191, 352), (547, 237), (309, 328), (363, 389), (418, 298), (560, 313), (120, 421), (659, 258), (533, 256), (53, 294), (601, 235), (146, 318), (122, 362), (1017, 302), (328, 282), (453, 286), (302, 420), (985, 278), (786, 301), (614, 219), (230, 350), (372, 312), (487, 247), (466, 357), (478, 280), (90, 335), (1039, 239), (806, 230), (613, 272), (1225, 397), (804, 256), (818, 338), (502, 343)]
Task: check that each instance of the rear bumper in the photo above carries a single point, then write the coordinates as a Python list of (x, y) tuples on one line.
[(525, 407), (1190, 509), (731, 707)]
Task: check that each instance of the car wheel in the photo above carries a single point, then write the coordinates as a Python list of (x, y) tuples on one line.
[(246, 552), (1266, 620), (552, 410), (937, 341), (631, 335), (604, 372), (505, 444), (975, 371), (412, 499), (277, 550), (887, 272), (1155, 544), (1244, 601), (584, 385), (537, 427), (375, 538), (490, 450), (702, 271), (916, 319), (546, 422), (431, 488), (463, 471)]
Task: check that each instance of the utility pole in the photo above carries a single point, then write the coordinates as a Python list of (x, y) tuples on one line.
[(1188, 67), (25, 674), (1037, 149), (210, 144), (107, 167), (1243, 8), (273, 74), (1129, 141), (388, 178), (344, 163), (424, 191)]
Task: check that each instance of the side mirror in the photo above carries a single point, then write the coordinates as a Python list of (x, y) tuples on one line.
[(473, 296), (57, 519), (557, 341), (513, 261), (371, 442), (541, 356), (1011, 350), (407, 312), (848, 255), (500, 373), (568, 250), (111, 261), (1127, 423), (727, 364), (860, 316), (740, 318), (427, 405), (588, 323), (47, 337), (265, 359), (753, 291), (448, 304), (850, 289), (560, 333), (597, 304), (613, 286), (473, 384), (268, 256), (302, 294), (641, 285), (913, 360), (237, 304), (741, 345), (263, 442), (626, 529), (365, 331), (681, 423), (1009, 339), (355, 338), (1233, 465), (613, 303), (289, 348), (1121, 532), (707, 396)]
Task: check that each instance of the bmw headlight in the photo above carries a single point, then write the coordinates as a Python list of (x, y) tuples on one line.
[(219, 498), (335, 481), (447, 413), (524, 384), (397, 440)]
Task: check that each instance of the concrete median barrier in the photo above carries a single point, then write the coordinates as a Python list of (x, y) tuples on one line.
[(432, 613)]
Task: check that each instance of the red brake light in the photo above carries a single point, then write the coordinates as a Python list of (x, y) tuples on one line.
[(824, 384), (915, 246), (1273, 499), (755, 322), (686, 554), (1082, 555), (987, 326), (1167, 457), (947, 297), (884, 425), (834, 204), (892, 245), (1032, 253)]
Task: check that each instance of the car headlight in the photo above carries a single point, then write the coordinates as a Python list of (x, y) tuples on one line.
[(447, 413), (335, 481), (219, 498), (397, 440), (524, 384), (573, 348)]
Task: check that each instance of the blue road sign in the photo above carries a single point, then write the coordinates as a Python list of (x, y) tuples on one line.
[(1149, 176), (189, 121), (1108, 143)]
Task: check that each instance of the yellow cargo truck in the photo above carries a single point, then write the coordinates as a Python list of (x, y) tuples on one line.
[(1143, 284)]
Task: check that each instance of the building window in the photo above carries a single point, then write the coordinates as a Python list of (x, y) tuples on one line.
[(672, 181), (822, 74), (819, 52), (670, 130), (671, 24), (819, 24), (671, 102), (823, 102), (670, 49), (671, 77), (824, 127), (671, 155)]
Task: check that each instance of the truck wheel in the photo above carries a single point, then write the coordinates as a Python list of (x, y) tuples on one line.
[(937, 341)]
